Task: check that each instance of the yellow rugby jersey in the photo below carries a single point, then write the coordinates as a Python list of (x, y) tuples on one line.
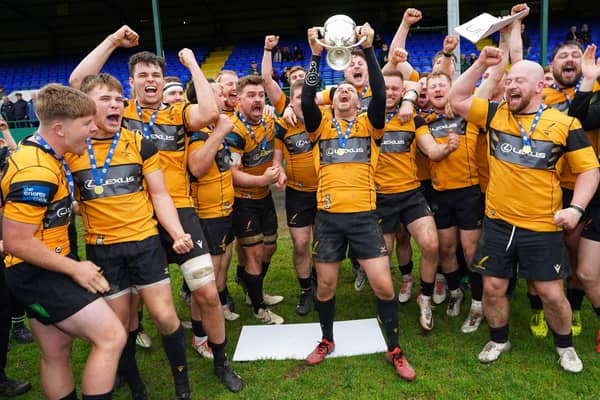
[(281, 103), (169, 136), (254, 161), (123, 212), (213, 192), (346, 178), (35, 191), (560, 100), (483, 167), (459, 168), (524, 189), (396, 167), (298, 155)]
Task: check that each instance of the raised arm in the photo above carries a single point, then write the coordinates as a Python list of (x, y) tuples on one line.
[(446, 64), (461, 93), (516, 42), (411, 16), (273, 90), (376, 110), (582, 107), (206, 111), (92, 64), (310, 109), (488, 87)]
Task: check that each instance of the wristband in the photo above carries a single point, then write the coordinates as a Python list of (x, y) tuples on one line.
[(577, 208), (269, 50), (411, 95)]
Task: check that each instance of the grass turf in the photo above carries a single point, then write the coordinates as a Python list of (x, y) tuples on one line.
[(445, 359)]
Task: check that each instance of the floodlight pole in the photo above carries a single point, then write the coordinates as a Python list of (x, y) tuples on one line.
[(453, 7), (544, 33), (157, 31)]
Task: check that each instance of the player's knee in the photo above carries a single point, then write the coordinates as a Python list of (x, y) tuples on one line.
[(207, 296), (430, 249), (198, 271), (586, 276)]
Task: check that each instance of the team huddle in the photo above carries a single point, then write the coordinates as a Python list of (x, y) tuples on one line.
[(502, 176)]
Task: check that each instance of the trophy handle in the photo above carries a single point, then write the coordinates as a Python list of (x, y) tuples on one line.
[(362, 39), (321, 31)]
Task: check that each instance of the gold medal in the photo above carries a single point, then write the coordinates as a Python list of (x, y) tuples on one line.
[(340, 151), (99, 189), (526, 149)]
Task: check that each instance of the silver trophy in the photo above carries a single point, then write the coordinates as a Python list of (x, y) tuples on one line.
[(339, 36)]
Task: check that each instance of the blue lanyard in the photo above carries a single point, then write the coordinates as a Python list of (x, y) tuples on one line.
[(99, 176), (364, 91), (343, 139), (146, 129), (263, 145), (569, 100), (49, 149), (527, 138), (389, 117)]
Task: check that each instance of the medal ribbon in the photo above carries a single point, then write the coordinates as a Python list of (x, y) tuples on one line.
[(263, 145), (389, 117), (343, 139), (527, 138), (50, 150), (569, 100), (146, 128), (99, 176), (364, 91)]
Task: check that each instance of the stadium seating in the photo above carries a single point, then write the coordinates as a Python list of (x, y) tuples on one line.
[(421, 45)]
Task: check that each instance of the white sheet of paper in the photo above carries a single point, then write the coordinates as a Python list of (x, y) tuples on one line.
[(296, 341), (483, 26)]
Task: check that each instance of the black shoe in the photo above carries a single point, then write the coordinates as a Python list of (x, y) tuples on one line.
[(230, 379), (183, 396), (11, 388), (304, 302), (21, 334)]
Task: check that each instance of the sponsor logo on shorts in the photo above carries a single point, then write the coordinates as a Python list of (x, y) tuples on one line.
[(557, 268), (479, 264), (199, 243)]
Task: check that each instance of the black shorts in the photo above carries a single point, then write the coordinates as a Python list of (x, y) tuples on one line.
[(48, 296), (218, 233), (458, 207), (255, 221), (333, 233), (191, 224), (505, 251), (427, 190), (401, 208), (300, 207), (126, 264), (591, 219)]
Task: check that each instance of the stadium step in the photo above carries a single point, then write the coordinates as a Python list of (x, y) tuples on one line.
[(215, 61)]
